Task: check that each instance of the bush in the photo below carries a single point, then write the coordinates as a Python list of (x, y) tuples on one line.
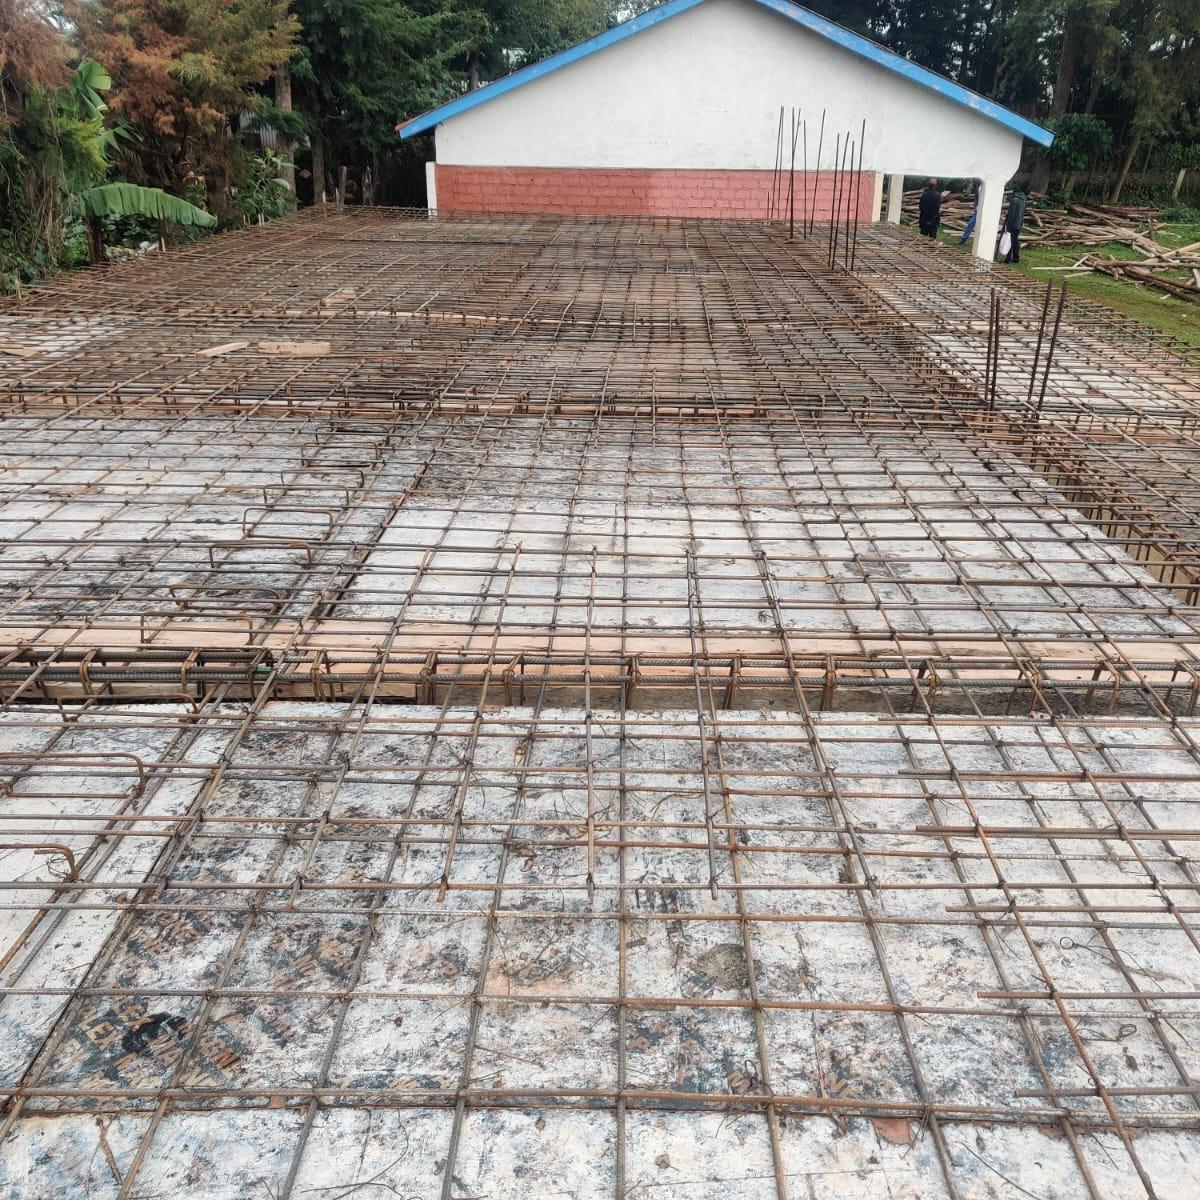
[(1079, 139), (262, 192), (1183, 213)]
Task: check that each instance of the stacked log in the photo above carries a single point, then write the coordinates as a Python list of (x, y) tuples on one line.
[(1175, 270)]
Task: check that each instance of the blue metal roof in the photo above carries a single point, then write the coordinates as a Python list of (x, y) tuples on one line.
[(830, 30)]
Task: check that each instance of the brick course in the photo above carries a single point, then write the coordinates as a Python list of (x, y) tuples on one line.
[(655, 193)]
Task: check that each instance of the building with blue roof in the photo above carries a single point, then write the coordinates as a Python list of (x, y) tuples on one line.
[(677, 112)]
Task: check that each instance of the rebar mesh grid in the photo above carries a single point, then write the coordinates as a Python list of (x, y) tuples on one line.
[(514, 706), (533, 939), (539, 532)]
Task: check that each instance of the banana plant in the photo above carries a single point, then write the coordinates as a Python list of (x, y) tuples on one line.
[(122, 199), (84, 97), (83, 92)]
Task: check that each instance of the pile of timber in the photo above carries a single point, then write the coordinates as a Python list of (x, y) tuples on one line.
[(1092, 225), (1172, 270), (1186, 258), (1175, 270), (956, 209)]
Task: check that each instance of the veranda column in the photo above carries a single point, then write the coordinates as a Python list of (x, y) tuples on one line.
[(894, 198), (987, 226)]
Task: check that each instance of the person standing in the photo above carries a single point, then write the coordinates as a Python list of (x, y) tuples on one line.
[(970, 226), (1014, 219), (929, 210)]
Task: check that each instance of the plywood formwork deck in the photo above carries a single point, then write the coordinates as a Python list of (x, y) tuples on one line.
[(529, 708)]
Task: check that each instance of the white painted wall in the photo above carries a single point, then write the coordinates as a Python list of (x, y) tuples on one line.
[(703, 90)]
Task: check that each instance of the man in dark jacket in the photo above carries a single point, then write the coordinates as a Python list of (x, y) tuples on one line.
[(929, 210), (1014, 219)]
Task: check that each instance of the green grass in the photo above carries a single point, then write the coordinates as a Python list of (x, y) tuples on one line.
[(1148, 305)]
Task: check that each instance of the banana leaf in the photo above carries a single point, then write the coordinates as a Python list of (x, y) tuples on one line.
[(129, 200)]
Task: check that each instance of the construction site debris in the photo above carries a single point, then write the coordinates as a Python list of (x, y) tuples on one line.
[(1097, 225)]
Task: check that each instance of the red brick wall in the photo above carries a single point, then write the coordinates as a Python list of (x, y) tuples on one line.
[(607, 192)]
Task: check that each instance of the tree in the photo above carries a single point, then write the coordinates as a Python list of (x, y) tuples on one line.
[(55, 158), (52, 139), (361, 65), (1079, 139), (1049, 45), (33, 57), (863, 16), (510, 34), (183, 70), (1133, 63), (33, 63), (929, 32), (1159, 70)]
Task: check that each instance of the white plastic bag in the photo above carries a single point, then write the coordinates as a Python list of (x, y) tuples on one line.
[(1005, 243)]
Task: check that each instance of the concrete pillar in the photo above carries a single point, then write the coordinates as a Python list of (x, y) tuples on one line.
[(987, 227), (895, 196), (876, 195), (431, 187)]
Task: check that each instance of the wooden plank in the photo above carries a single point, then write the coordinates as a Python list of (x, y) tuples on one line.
[(295, 349), (224, 348)]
